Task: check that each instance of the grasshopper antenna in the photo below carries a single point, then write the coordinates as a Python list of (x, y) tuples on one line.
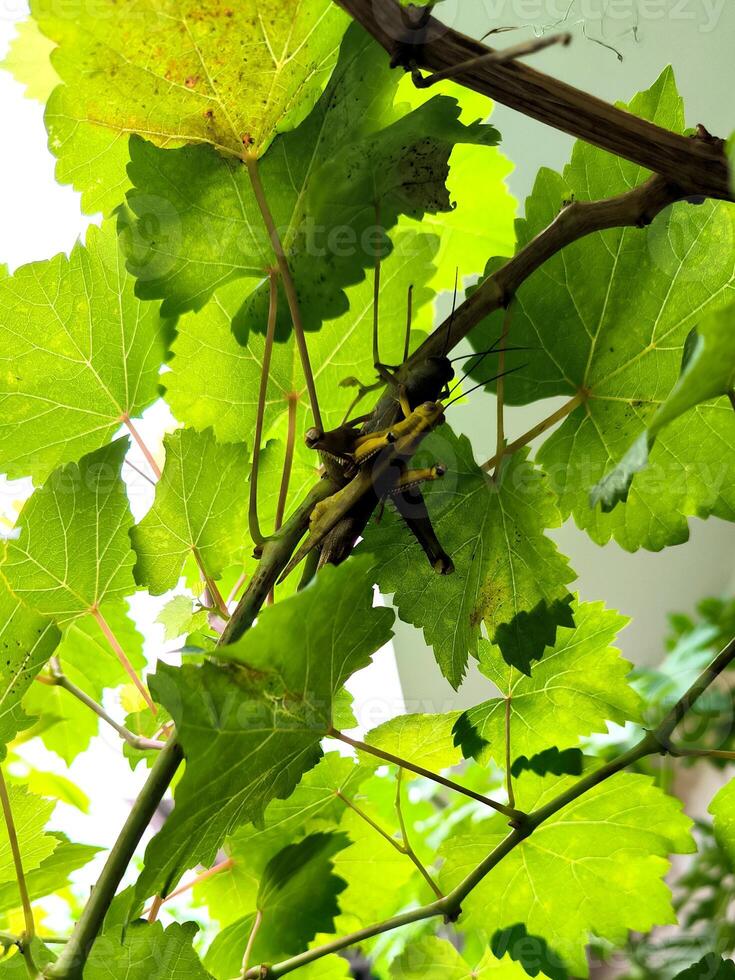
[(253, 523), (482, 384), (409, 318), (448, 334)]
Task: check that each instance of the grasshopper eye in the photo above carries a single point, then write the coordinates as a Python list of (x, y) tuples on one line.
[(313, 437), (440, 470)]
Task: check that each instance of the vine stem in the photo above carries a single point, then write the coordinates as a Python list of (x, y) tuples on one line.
[(30, 925), (204, 876), (255, 532), (293, 402), (450, 906), (150, 458), (251, 162), (394, 760), (508, 751), (210, 585), (407, 846), (59, 679), (70, 964), (122, 657), (677, 750), (257, 923), (535, 432)]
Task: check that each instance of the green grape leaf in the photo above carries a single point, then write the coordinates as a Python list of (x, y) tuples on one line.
[(73, 552), (79, 355), (606, 321), (570, 762), (200, 509), (722, 809), (579, 686), (531, 952), (477, 188), (30, 816), (596, 866), (27, 640), (710, 967), (426, 740), (29, 61), (89, 662), (51, 875), (268, 702), (508, 575), (94, 160), (437, 959), (56, 787), (148, 952), (708, 372), (196, 72), (214, 379), (315, 805), (194, 223), (296, 900), (181, 616)]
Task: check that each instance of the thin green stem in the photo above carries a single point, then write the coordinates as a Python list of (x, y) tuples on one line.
[(254, 524), (535, 432), (59, 679), (370, 822), (678, 751), (293, 402), (509, 753), (30, 925), (408, 847), (394, 760), (70, 964), (251, 162), (257, 923)]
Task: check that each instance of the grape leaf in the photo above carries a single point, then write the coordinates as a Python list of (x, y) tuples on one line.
[(531, 952), (269, 702), (424, 739), (27, 640), (579, 686), (30, 816), (711, 967), (29, 61), (73, 552), (608, 318), (477, 188), (79, 354), (196, 72), (214, 380), (148, 952), (52, 875), (594, 867), (89, 662), (437, 959), (296, 900), (508, 575), (180, 616), (92, 159), (200, 509), (709, 372), (314, 805), (722, 809), (194, 223)]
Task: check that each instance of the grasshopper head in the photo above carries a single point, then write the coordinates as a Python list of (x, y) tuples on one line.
[(313, 437)]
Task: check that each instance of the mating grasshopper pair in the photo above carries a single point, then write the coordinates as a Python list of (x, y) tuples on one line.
[(375, 464)]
